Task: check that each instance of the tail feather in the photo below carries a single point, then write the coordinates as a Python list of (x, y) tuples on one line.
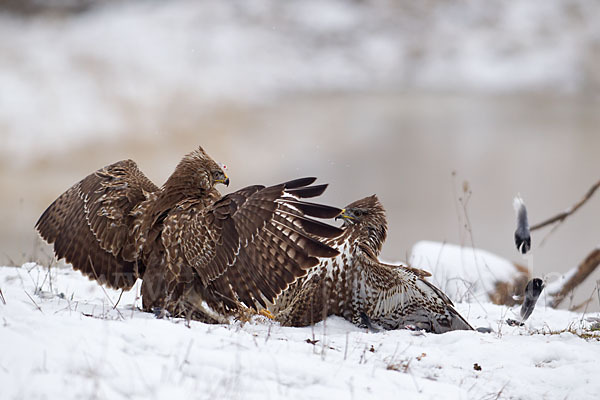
[(457, 322)]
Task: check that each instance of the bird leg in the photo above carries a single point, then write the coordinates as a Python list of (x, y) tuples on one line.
[(266, 313)]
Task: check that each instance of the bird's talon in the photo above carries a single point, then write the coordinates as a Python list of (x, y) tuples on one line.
[(266, 313)]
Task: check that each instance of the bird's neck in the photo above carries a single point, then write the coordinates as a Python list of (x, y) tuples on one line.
[(186, 185), (361, 239), (172, 195), (372, 240)]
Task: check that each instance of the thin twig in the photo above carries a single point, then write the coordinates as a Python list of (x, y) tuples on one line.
[(552, 230), (137, 297), (187, 355), (104, 290), (119, 299), (324, 339), (563, 215), (33, 301), (9, 259), (501, 390), (2, 297), (50, 276), (584, 305), (346, 347), (268, 334)]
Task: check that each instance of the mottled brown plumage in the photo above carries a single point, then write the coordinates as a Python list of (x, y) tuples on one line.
[(191, 246), (357, 286)]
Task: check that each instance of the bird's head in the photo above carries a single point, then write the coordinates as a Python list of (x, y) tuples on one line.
[(198, 171), (367, 217), (220, 175)]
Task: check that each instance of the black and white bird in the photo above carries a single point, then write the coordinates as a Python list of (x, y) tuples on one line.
[(532, 293), (522, 234)]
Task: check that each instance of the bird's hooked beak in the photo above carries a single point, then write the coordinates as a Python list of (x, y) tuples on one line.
[(224, 179), (345, 215)]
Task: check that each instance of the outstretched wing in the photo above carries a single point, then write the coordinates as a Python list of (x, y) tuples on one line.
[(250, 244), (398, 295), (89, 224)]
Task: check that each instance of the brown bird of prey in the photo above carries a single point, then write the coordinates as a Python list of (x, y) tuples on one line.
[(365, 291), (199, 254)]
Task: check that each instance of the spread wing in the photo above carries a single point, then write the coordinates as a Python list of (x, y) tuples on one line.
[(89, 224), (399, 295), (250, 244)]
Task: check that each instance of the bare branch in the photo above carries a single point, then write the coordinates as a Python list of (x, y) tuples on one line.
[(2, 297), (563, 215), (584, 269)]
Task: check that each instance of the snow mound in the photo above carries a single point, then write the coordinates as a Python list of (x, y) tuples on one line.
[(463, 273), (61, 338)]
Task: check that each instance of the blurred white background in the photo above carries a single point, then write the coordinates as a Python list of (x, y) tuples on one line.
[(374, 96)]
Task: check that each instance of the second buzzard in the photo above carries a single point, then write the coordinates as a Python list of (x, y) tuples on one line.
[(360, 288)]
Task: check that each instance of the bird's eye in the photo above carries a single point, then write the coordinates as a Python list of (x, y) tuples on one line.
[(358, 213)]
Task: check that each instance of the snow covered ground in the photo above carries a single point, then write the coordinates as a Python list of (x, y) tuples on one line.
[(60, 338)]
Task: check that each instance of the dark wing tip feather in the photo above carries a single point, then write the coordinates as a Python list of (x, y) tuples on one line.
[(315, 210), (42, 228), (317, 249), (38, 224), (320, 229), (307, 192), (300, 182), (310, 262)]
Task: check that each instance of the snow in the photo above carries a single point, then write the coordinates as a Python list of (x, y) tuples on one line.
[(463, 273), (554, 286), (76, 346)]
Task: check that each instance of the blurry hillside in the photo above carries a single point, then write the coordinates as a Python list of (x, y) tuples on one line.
[(373, 96)]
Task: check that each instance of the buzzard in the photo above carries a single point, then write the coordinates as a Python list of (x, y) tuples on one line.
[(199, 254), (360, 288)]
